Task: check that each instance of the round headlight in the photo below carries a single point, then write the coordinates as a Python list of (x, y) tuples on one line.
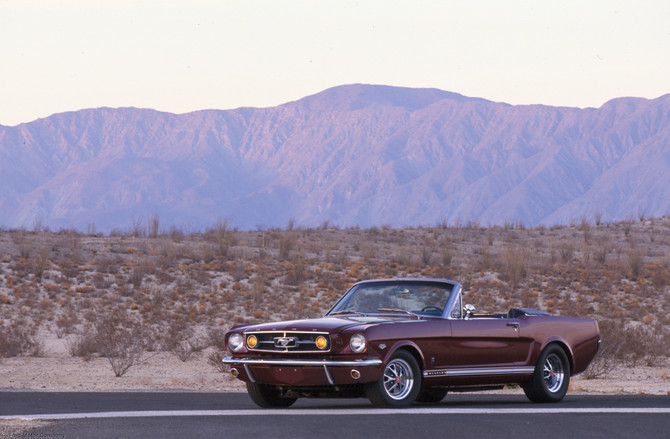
[(357, 343), (235, 342), (321, 342), (252, 341)]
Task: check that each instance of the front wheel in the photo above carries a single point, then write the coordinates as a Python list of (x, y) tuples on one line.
[(400, 383), (551, 377), (431, 395), (268, 396)]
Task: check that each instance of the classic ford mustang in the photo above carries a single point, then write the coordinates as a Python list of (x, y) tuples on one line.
[(397, 341)]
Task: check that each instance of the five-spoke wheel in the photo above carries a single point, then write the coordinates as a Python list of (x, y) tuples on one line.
[(399, 384), (551, 377)]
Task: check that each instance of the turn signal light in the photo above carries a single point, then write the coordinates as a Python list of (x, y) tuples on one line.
[(321, 342), (252, 341)]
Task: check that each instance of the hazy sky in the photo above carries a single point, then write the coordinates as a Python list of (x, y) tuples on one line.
[(180, 56)]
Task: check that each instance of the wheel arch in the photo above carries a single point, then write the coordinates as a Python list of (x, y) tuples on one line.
[(565, 347), (410, 347)]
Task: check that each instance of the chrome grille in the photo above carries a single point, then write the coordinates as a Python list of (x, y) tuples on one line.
[(287, 341)]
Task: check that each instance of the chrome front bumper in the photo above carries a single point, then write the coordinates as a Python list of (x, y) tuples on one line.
[(294, 362)]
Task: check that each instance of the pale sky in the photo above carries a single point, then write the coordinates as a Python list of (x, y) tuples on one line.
[(181, 56)]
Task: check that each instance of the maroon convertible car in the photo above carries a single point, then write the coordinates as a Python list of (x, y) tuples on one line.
[(396, 341)]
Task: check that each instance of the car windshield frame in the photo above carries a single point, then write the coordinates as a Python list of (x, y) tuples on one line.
[(404, 297)]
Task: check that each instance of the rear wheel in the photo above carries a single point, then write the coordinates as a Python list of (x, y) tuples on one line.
[(551, 377), (268, 396), (400, 383)]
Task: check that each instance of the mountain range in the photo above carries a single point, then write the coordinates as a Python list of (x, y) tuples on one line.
[(353, 155)]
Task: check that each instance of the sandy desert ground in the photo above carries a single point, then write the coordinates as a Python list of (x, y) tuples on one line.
[(176, 293), (58, 371)]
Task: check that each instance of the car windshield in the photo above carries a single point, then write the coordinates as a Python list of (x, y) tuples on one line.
[(384, 297)]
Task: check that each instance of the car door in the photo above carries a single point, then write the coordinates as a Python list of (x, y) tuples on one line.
[(486, 342)]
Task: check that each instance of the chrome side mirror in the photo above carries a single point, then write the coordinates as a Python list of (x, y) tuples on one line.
[(469, 310)]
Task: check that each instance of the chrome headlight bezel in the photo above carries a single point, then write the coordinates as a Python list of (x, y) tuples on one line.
[(357, 343), (235, 342)]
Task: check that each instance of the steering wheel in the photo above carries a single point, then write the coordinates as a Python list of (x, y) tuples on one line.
[(432, 308)]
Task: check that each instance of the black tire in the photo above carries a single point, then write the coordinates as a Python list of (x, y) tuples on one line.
[(551, 378), (431, 395), (400, 383), (268, 396)]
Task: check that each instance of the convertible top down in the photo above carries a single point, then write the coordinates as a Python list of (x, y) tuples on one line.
[(397, 341)]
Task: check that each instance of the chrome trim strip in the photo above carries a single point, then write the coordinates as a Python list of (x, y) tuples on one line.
[(526, 370), (249, 374), (330, 379), (294, 362)]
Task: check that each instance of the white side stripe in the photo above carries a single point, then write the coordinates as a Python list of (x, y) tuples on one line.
[(340, 412), (479, 371)]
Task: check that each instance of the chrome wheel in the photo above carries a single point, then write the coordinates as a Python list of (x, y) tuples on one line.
[(551, 378), (553, 373), (399, 384), (398, 379)]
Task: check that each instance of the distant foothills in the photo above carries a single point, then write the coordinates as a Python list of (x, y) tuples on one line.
[(353, 155)]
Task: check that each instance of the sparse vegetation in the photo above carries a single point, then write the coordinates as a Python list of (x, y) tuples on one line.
[(123, 295)]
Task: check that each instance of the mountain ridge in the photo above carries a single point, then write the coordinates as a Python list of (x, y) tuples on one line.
[(353, 155)]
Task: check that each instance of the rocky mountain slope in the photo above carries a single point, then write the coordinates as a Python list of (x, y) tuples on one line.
[(360, 155)]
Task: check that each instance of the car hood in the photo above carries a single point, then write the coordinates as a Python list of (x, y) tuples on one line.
[(324, 324)]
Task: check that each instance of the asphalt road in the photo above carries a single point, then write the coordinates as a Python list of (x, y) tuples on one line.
[(214, 415)]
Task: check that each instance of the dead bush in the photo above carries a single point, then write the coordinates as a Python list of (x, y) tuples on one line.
[(635, 263), (514, 260), (286, 244), (176, 331), (632, 344), (20, 338), (185, 349), (83, 344), (217, 338), (121, 343), (216, 360), (114, 335), (66, 322)]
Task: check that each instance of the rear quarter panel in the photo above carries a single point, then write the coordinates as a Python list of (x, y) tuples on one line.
[(579, 336)]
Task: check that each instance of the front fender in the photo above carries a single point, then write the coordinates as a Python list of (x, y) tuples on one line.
[(407, 345)]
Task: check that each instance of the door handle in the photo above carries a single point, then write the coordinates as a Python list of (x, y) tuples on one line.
[(515, 324)]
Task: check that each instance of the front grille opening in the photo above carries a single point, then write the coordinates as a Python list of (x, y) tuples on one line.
[(288, 341)]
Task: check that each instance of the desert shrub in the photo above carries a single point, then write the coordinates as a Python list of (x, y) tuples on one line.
[(20, 338), (66, 322), (121, 340), (216, 360), (446, 253), (296, 271), (426, 254), (114, 335), (567, 252), (635, 264), (600, 254), (176, 331), (286, 244), (84, 344), (224, 238), (217, 338), (185, 349), (514, 261), (631, 344), (40, 262)]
